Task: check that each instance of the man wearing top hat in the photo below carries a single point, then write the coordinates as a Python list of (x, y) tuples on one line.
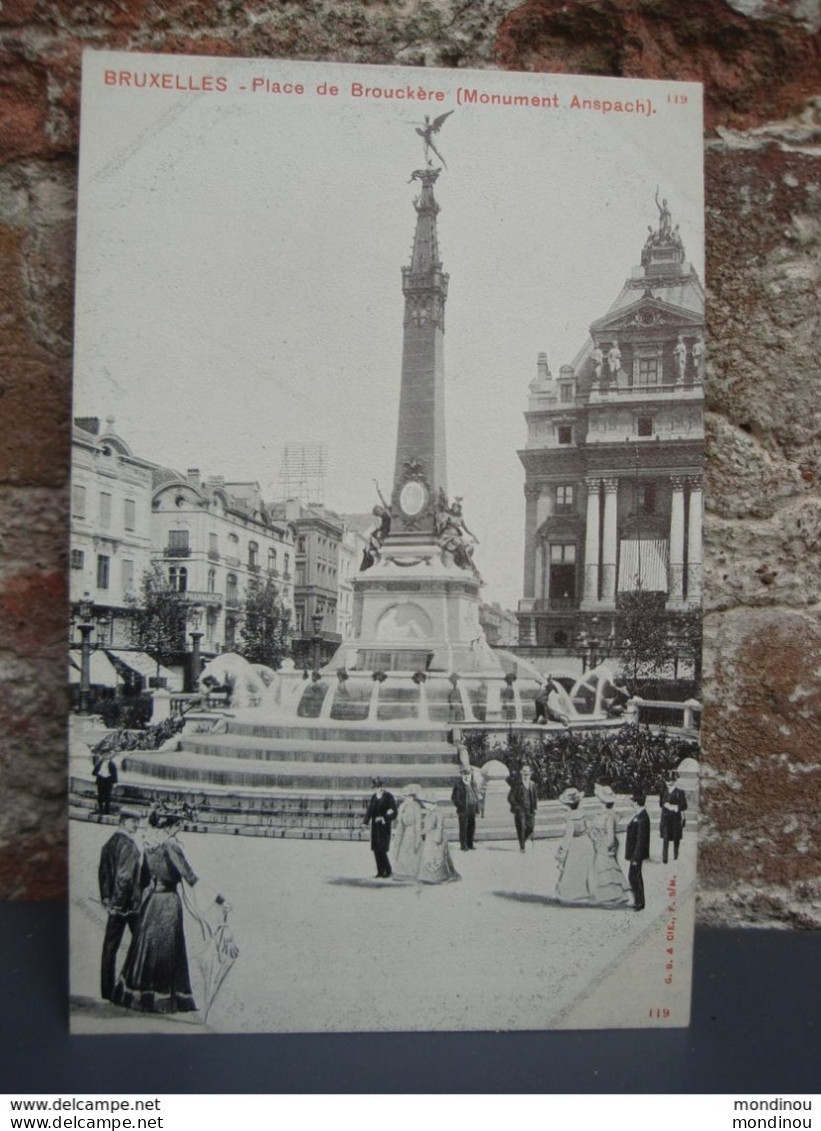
[(673, 802), (637, 848), (379, 815), (523, 802), (466, 802), (119, 877)]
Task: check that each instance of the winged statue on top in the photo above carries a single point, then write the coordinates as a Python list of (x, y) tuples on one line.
[(426, 131)]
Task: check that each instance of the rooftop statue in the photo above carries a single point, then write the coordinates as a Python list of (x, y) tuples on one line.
[(426, 132)]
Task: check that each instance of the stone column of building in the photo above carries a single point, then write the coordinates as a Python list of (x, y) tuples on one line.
[(676, 595), (532, 493), (591, 546), (609, 543), (694, 552)]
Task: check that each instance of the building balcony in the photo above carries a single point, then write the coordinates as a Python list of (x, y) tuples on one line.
[(177, 552), (554, 605), (230, 561), (286, 577), (232, 601), (213, 555), (273, 573), (201, 597), (691, 391), (254, 567)]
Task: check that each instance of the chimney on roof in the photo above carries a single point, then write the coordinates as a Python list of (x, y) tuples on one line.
[(542, 368), (193, 476)]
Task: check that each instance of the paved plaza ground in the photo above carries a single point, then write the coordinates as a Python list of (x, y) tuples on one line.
[(325, 947)]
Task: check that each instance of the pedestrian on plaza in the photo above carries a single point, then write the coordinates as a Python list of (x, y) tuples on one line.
[(105, 775), (575, 853), (608, 887), (467, 803), (407, 838), (435, 863), (523, 802), (120, 893), (155, 977), (673, 802), (379, 815), (637, 848)]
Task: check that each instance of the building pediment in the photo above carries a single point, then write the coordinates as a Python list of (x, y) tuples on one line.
[(561, 528), (648, 314)]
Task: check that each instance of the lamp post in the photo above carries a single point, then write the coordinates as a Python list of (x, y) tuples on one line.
[(316, 639), (589, 645), (85, 611), (194, 623)]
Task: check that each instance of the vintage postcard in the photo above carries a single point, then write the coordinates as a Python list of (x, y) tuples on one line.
[(385, 660)]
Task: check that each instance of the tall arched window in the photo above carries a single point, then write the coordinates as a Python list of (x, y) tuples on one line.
[(178, 577), (272, 560), (212, 581)]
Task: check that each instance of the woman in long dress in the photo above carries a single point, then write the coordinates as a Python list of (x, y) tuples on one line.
[(435, 861), (574, 854), (407, 836), (609, 887), (155, 977)]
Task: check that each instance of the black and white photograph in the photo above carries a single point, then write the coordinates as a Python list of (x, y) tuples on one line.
[(386, 549)]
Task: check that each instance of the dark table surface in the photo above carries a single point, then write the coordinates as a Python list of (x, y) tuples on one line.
[(755, 1030)]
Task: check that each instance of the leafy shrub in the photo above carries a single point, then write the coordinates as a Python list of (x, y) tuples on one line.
[(628, 759), (130, 714), (152, 738)]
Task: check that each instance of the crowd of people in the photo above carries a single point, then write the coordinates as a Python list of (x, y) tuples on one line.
[(145, 879), (589, 869)]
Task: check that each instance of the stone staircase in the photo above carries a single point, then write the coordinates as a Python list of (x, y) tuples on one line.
[(299, 780)]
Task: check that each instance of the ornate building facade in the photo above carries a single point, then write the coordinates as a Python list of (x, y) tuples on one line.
[(613, 459)]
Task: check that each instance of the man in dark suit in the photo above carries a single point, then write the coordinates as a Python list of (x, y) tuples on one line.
[(466, 802), (105, 775), (673, 802), (379, 814), (120, 893), (637, 848), (523, 802)]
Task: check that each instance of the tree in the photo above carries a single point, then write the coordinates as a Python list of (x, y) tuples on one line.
[(265, 632), (686, 632), (641, 634), (158, 617)]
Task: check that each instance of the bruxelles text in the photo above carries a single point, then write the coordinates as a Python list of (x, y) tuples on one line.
[(465, 96)]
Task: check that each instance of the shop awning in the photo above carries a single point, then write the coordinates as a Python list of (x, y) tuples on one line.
[(141, 664), (643, 565), (102, 672)]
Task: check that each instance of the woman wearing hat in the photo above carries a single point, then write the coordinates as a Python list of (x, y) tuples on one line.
[(407, 835), (609, 888), (574, 854), (155, 976), (435, 861)]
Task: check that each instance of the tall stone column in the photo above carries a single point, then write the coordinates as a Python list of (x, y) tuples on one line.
[(694, 551), (527, 619), (591, 547), (675, 598), (609, 543), (532, 493)]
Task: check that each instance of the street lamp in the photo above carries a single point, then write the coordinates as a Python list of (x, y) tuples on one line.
[(590, 643), (316, 640), (194, 622), (85, 611)]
